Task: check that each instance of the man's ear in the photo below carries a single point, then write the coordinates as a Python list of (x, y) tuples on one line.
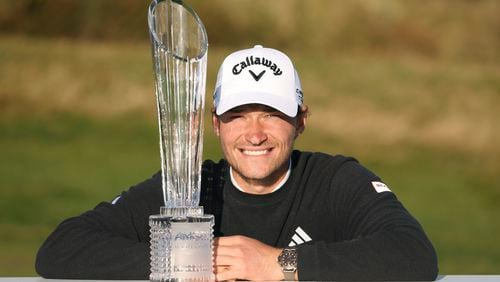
[(301, 126), (215, 123), (301, 121)]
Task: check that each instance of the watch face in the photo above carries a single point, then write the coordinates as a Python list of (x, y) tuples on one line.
[(288, 259)]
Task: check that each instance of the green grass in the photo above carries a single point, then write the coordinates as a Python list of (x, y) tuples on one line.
[(78, 126), (55, 168)]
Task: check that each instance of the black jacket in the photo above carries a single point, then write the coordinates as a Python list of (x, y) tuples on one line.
[(345, 223)]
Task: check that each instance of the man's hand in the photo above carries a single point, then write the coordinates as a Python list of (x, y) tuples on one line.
[(240, 257)]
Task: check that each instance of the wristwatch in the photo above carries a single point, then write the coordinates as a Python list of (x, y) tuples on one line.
[(288, 262)]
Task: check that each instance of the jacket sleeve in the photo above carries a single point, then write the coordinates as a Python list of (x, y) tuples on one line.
[(379, 239), (109, 242)]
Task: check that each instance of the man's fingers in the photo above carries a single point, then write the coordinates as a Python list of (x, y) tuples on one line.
[(229, 240), (226, 276), (226, 273), (224, 260), (224, 250), (234, 252), (221, 268), (227, 257)]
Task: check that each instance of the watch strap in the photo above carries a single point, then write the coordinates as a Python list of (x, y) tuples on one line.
[(289, 275)]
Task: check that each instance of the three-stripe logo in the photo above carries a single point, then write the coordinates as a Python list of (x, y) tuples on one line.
[(299, 237)]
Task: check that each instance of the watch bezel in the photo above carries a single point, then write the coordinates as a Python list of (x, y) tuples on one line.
[(288, 259)]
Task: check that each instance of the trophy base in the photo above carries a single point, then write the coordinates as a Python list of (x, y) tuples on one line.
[(181, 245)]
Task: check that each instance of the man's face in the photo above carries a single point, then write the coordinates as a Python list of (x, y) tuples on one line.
[(257, 141)]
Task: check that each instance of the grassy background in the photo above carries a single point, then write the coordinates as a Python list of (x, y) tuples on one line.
[(412, 90)]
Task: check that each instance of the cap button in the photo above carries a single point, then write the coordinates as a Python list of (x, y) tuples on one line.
[(257, 46)]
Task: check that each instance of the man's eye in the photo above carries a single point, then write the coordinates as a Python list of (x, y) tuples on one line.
[(232, 117), (271, 115)]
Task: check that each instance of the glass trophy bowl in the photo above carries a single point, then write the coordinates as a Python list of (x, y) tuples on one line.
[(179, 48), (181, 235)]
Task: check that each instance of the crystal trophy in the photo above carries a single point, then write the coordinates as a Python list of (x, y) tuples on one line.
[(181, 234)]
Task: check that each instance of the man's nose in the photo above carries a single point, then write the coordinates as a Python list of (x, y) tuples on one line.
[(255, 134)]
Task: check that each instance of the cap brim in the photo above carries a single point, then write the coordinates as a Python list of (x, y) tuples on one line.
[(286, 106)]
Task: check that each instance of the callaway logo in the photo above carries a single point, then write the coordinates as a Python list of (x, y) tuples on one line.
[(257, 77), (249, 61)]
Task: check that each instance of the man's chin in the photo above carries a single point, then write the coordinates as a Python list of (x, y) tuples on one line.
[(254, 176)]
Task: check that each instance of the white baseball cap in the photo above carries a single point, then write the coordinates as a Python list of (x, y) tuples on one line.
[(258, 75)]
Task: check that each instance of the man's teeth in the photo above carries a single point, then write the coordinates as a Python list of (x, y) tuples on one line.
[(254, 153)]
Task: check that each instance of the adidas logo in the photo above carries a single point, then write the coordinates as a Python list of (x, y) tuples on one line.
[(299, 237)]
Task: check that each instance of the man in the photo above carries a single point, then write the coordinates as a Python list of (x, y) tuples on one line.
[(279, 213)]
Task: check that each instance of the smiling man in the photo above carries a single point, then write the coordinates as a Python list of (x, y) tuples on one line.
[(279, 213), (257, 142)]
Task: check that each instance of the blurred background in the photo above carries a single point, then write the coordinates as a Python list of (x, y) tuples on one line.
[(410, 88)]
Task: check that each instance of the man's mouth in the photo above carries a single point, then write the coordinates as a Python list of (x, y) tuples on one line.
[(255, 152)]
